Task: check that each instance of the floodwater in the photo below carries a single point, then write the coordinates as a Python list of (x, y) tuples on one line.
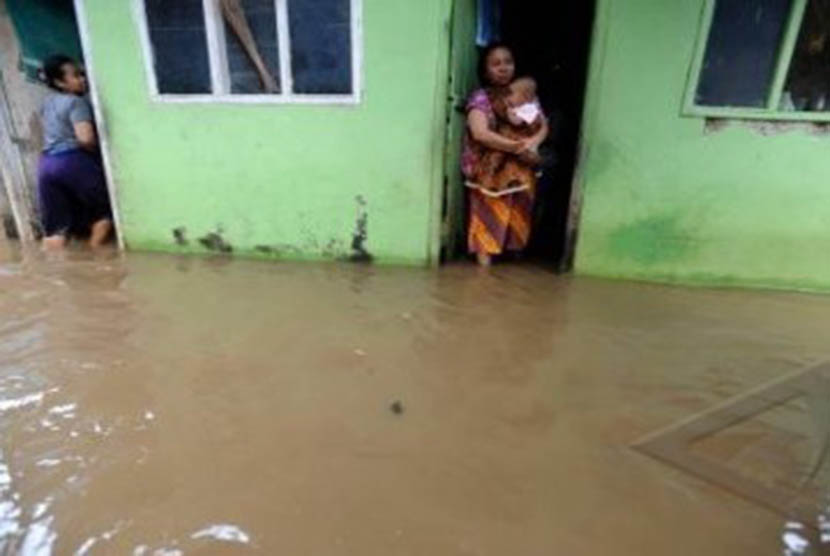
[(165, 405)]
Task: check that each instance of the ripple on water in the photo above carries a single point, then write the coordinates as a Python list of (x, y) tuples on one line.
[(223, 532)]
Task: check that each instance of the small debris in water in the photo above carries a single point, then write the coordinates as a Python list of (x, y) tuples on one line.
[(396, 407), (360, 353)]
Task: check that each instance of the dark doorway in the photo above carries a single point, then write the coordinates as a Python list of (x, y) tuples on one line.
[(552, 43)]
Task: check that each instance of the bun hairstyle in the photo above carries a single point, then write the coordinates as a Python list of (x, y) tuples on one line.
[(52, 70)]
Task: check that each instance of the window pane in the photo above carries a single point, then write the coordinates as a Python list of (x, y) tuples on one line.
[(177, 32), (741, 52), (321, 44), (262, 19), (808, 83)]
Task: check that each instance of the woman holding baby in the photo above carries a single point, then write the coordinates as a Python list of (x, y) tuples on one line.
[(505, 127)]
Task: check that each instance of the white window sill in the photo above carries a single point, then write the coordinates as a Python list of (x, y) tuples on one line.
[(333, 100)]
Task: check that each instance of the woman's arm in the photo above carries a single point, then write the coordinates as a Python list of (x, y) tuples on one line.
[(481, 132), (85, 134)]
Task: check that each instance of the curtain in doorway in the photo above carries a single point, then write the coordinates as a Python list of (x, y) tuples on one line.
[(489, 22), (44, 28)]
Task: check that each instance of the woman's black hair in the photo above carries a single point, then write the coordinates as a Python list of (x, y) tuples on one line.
[(482, 60), (53, 69)]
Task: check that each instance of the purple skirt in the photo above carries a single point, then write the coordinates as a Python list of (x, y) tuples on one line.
[(73, 193)]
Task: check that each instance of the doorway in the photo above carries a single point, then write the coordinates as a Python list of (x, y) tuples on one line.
[(30, 32), (552, 43)]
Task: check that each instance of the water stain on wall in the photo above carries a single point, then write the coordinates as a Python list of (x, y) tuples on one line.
[(652, 240)]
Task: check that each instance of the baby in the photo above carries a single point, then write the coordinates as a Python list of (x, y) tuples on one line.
[(521, 109), (519, 117)]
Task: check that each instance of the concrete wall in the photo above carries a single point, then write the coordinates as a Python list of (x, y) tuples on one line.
[(24, 100), (281, 180), (666, 200)]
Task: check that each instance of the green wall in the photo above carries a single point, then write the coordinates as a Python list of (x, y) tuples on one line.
[(284, 176), (665, 200)]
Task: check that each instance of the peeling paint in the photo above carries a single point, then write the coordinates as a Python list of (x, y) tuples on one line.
[(265, 249), (180, 236), (767, 127), (334, 248), (361, 235), (215, 242), (278, 250)]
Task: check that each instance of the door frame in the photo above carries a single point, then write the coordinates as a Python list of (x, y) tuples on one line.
[(13, 172), (100, 117), (596, 62), (454, 88), (598, 46)]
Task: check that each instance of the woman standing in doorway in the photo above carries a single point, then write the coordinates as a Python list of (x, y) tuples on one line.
[(502, 223), (71, 184)]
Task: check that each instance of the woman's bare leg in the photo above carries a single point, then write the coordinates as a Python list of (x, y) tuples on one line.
[(484, 259), (100, 234), (54, 243)]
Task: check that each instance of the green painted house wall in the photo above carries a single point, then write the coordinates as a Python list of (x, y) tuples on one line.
[(664, 199), (292, 179)]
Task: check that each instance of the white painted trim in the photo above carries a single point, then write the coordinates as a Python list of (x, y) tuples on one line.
[(284, 43), (357, 49), (140, 16), (220, 71), (217, 48), (103, 134), (344, 100), (223, 55)]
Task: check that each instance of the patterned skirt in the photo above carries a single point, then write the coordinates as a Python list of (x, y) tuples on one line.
[(499, 224)]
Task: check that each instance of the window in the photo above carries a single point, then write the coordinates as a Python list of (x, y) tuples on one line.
[(767, 59), (252, 50)]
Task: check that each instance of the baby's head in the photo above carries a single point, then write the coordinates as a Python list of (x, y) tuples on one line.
[(522, 91)]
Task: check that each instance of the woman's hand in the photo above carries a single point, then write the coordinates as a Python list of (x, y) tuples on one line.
[(530, 157), (479, 127), (525, 146)]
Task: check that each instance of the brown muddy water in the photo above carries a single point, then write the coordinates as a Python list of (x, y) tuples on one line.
[(164, 405)]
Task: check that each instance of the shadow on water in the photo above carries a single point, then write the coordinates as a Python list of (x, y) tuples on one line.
[(165, 405)]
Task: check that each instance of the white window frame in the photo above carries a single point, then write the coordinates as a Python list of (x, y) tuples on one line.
[(220, 71)]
